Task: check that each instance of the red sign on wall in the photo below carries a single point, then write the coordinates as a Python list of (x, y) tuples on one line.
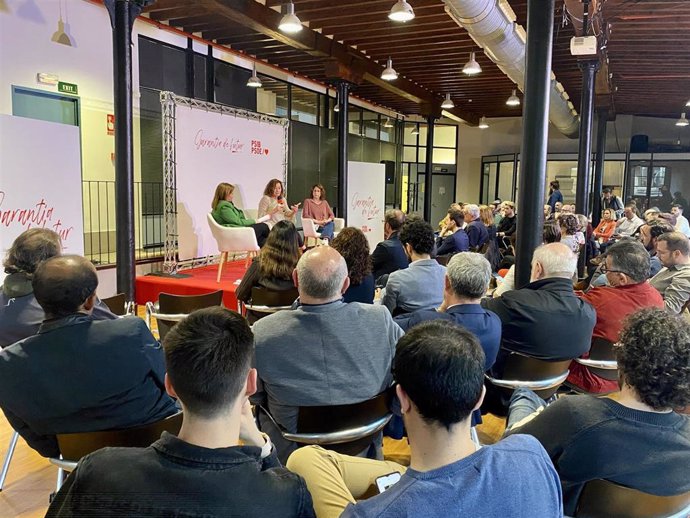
[(110, 124)]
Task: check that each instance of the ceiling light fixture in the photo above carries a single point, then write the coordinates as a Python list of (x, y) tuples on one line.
[(688, 103), (447, 103), (482, 123), (513, 100), (415, 130), (388, 123), (389, 73), (401, 12), (290, 23), (471, 68), (682, 121), (254, 81)]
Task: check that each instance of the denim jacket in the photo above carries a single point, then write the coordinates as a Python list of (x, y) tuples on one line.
[(172, 478)]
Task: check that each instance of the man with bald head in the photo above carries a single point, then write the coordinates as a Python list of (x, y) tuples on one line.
[(545, 319), (79, 374), (323, 352)]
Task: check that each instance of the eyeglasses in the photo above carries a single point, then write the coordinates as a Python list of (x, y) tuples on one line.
[(604, 269)]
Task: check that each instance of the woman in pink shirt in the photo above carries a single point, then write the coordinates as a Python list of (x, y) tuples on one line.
[(318, 209)]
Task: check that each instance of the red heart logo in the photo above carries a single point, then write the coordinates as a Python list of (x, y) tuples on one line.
[(266, 151)]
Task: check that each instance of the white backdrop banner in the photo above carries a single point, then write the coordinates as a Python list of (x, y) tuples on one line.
[(213, 147), (366, 191), (40, 181)]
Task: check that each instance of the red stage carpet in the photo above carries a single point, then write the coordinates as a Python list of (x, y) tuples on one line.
[(202, 280)]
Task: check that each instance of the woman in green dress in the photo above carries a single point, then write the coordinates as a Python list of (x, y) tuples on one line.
[(225, 213)]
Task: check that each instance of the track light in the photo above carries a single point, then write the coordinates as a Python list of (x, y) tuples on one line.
[(290, 23), (401, 12), (471, 68), (254, 81), (447, 103), (513, 100), (389, 73), (482, 123), (682, 121), (388, 123), (415, 130)]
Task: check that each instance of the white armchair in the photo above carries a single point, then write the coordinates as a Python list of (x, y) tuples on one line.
[(338, 225), (233, 239), (310, 233)]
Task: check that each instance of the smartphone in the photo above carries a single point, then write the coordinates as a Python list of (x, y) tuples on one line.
[(387, 481)]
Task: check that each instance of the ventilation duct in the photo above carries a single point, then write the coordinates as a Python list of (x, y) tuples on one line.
[(491, 24)]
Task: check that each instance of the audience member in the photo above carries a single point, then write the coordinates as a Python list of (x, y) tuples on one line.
[(78, 374), (324, 352), (508, 224), (352, 244), (318, 209), (496, 206), (420, 286), (272, 269), (225, 213), (444, 230), (626, 267), (611, 201), (548, 215), (389, 255), (629, 224), (679, 200), (492, 253), (569, 226), (555, 195), (649, 233), (606, 227), (439, 368), (466, 282), (199, 472), (651, 214), (682, 224), (551, 233), (633, 439), (274, 204), (456, 239), (545, 319), (477, 234), (20, 313), (673, 281)]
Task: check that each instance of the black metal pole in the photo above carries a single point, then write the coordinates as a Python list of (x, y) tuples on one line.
[(535, 126), (428, 166), (122, 15), (343, 98), (584, 156), (602, 116)]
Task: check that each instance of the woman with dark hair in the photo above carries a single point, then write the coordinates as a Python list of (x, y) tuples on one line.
[(272, 269), (554, 195), (225, 213), (274, 205), (318, 209), (569, 226), (353, 246)]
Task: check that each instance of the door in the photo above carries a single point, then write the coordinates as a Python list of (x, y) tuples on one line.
[(47, 106)]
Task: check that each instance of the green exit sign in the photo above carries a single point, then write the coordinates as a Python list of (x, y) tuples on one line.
[(67, 88)]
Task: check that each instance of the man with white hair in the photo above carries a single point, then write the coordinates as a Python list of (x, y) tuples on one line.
[(466, 281), (544, 319), (324, 352), (475, 229)]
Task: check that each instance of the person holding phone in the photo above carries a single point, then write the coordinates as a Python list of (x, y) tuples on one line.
[(439, 370), (274, 204)]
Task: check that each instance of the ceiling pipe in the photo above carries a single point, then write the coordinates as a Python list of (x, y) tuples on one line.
[(491, 24)]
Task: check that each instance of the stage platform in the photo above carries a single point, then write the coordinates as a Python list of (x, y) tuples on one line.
[(201, 280)]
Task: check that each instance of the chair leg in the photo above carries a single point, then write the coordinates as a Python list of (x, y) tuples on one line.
[(60, 479), (223, 256), (8, 459)]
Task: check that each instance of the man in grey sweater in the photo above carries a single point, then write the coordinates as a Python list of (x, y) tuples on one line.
[(324, 352)]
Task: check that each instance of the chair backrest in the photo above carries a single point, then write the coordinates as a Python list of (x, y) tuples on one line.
[(73, 446), (231, 239), (604, 499), (116, 304), (273, 298), (169, 304), (309, 228), (345, 428), (443, 259), (542, 376), (602, 359)]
